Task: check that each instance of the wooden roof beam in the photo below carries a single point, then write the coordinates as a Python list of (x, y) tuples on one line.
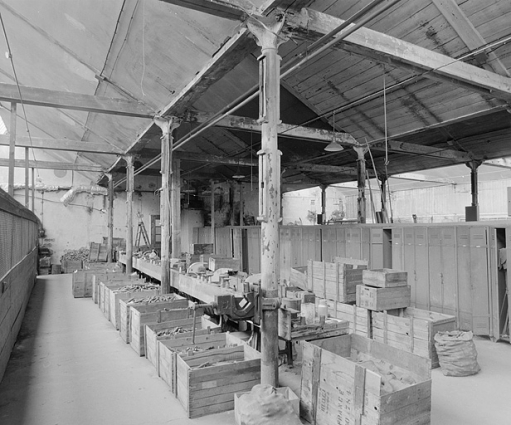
[(284, 130), (422, 178), (62, 145), (74, 101), (415, 149), (46, 165), (233, 10), (311, 25), (215, 159)]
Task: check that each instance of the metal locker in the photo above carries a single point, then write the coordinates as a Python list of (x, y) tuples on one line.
[(480, 280), (341, 242), (365, 244), (449, 270), (409, 261), (254, 249), (317, 243), (435, 269), (398, 249), (237, 245), (353, 248), (376, 249), (285, 255), (329, 243), (307, 242), (422, 268), (296, 246), (464, 281)]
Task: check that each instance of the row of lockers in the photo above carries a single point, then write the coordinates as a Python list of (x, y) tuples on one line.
[(452, 269)]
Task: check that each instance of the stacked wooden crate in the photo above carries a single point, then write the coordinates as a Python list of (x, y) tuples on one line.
[(335, 281), (383, 289), (342, 383), (82, 279)]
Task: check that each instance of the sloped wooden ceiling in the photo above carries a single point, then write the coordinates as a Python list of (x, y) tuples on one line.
[(424, 84)]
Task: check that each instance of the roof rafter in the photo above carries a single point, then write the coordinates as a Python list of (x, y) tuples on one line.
[(311, 25), (412, 148), (47, 165), (61, 145), (284, 130), (75, 101)]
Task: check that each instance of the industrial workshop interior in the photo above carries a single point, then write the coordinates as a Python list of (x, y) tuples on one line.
[(255, 212)]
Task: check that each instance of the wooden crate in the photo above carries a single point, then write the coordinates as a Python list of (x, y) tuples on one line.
[(334, 281), (69, 266), (336, 389), (142, 315), (82, 280), (169, 349), (114, 313), (413, 330), (210, 389), (384, 278), (380, 299), (359, 318), (215, 263), (202, 327)]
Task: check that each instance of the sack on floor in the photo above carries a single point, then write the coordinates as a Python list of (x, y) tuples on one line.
[(457, 353)]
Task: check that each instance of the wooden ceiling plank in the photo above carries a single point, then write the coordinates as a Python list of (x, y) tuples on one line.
[(46, 165), (412, 148), (284, 130), (228, 10), (74, 101), (310, 24), (469, 34), (61, 145)]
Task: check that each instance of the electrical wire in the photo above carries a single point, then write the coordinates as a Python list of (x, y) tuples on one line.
[(9, 52)]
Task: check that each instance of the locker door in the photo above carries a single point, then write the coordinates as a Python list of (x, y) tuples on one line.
[(341, 242), (376, 249), (464, 286), (365, 244), (435, 269), (449, 270), (285, 255), (353, 246), (409, 261), (307, 245), (422, 268), (397, 249), (317, 243), (254, 249), (296, 246), (329, 244), (480, 280), (237, 245)]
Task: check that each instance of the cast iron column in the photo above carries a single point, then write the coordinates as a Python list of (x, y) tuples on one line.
[(361, 180), (166, 126), (130, 182), (110, 217), (267, 31), (175, 218), (12, 147)]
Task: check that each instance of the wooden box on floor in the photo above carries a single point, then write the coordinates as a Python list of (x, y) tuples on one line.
[(412, 330), (142, 315), (99, 284), (359, 318), (202, 327), (204, 388), (336, 389), (385, 278), (113, 297), (169, 349), (82, 280), (69, 266), (334, 281), (380, 299)]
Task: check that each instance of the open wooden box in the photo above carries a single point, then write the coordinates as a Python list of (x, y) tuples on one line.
[(338, 389)]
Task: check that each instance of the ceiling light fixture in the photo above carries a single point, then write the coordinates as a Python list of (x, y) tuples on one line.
[(238, 175), (334, 146)]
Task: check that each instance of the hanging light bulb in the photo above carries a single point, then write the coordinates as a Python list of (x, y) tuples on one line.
[(238, 175), (334, 146)]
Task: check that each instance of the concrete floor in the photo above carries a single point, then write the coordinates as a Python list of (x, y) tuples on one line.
[(70, 367)]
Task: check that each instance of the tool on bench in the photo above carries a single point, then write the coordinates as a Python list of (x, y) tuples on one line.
[(249, 306)]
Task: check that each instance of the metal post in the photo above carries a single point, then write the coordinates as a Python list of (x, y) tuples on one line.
[(323, 204), (361, 183), (267, 31), (241, 204), (12, 147), (472, 212), (130, 180), (110, 217), (176, 208), (27, 189), (212, 199), (33, 190), (166, 126), (383, 184)]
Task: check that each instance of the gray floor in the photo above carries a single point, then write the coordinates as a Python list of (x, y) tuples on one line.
[(70, 367)]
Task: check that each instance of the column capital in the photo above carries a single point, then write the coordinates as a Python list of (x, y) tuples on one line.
[(361, 152), (474, 164), (267, 30), (167, 124)]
